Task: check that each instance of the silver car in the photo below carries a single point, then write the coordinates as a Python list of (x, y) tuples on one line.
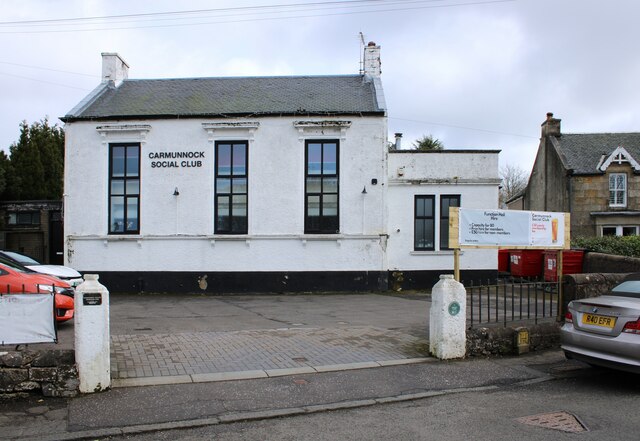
[(605, 331)]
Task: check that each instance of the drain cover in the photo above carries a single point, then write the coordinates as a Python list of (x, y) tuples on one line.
[(563, 421)]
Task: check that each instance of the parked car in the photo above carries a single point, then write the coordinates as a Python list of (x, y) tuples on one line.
[(14, 280), (605, 331), (71, 276)]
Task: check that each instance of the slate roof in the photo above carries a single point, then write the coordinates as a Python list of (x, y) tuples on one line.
[(193, 97), (582, 152)]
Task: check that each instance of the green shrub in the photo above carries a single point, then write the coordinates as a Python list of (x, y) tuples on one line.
[(622, 246)]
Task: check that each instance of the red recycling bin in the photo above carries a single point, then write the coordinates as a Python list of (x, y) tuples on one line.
[(503, 261), (526, 263), (571, 263)]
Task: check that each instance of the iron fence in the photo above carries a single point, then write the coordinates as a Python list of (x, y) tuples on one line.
[(511, 300)]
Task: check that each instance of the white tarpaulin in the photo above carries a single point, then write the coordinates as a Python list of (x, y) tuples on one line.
[(27, 318), (511, 228)]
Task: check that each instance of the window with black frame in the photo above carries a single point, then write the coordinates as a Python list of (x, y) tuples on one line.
[(231, 204), (124, 188), (446, 201), (424, 223), (321, 187)]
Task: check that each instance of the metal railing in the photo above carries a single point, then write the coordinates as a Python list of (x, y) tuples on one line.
[(510, 301)]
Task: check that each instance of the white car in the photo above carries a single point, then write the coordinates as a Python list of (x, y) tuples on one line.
[(69, 275)]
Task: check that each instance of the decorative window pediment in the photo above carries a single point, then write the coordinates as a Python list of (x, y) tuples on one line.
[(322, 128), (231, 129), (124, 132), (619, 156)]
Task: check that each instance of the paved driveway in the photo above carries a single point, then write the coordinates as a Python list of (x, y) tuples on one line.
[(187, 338)]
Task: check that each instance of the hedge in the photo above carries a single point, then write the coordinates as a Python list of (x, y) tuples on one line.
[(628, 246)]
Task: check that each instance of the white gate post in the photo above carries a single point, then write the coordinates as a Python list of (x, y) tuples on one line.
[(92, 337), (448, 319)]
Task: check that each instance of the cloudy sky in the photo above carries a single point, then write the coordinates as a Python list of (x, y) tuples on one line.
[(473, 73)]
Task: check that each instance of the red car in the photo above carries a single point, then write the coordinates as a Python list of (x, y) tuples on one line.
[(18, 280)]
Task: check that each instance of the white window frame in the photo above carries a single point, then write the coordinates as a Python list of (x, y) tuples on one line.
[(619, 229), (613, 191)]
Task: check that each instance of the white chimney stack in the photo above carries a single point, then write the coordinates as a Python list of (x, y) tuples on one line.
[(114, 68), (372, 64)]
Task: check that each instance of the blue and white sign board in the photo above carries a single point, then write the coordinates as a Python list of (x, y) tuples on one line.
[(511, 228), (27, 318)]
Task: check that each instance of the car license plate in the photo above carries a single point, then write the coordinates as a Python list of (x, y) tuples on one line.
[(598, 320)]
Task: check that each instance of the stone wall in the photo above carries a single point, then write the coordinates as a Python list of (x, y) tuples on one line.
[(583, 286), (609, 263), (52, 373), (491, 341)]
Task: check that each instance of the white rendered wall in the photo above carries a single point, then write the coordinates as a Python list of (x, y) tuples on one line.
[(176, 232), (473, 176)]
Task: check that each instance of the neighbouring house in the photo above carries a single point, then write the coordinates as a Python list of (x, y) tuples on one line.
[(593, 176), (33, 228), (254, 184)]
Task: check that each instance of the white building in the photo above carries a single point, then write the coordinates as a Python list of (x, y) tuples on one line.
[(256, 184)]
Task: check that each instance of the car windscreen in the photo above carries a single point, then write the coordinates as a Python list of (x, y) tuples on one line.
[(25, 260), (629, 288), (14, 265)]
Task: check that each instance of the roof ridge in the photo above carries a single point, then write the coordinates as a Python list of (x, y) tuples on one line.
[(600, 133), (248, 77)]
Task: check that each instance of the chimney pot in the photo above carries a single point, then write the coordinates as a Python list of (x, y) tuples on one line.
[(398, 144)]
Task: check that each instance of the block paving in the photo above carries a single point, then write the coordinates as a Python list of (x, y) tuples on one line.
[(158, 355)]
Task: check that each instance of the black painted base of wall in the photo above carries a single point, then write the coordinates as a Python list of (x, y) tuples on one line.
[(424, 280), (242, 282), (276, 282)]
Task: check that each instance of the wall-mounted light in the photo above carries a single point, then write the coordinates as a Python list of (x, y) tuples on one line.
[(364, 190), (176, 192)]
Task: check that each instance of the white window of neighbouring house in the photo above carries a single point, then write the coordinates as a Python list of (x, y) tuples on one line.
[(617, 190), (231, 203), (446, 201), (124, 188), (424, 223), (621, 230), (321, 208)]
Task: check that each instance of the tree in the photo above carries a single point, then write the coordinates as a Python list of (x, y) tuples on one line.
[(428, 142), (514, 181), (4, 170), (36, 163)]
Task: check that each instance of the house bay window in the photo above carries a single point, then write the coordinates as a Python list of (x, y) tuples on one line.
[(124, 188), (617, 190), (620, 230), (231, 187), (321, 187), (424, 223)]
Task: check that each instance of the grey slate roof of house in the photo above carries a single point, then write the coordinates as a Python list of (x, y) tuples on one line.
[(193, 97), (583, 152)]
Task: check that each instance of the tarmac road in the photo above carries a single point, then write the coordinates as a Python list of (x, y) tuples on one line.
[(602, 402)]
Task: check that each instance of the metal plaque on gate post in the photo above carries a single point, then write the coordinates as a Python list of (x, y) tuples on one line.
[(92, 299)]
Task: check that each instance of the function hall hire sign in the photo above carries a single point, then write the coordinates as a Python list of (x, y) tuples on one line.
[(509, 228)]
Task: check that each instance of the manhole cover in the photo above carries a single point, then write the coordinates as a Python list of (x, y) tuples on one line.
[(299, 359), (563, 421)]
